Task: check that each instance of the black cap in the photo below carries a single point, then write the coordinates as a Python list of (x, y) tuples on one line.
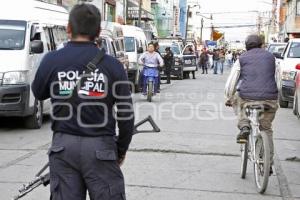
[(253, 41)]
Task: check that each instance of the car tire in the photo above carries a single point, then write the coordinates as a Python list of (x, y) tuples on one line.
[(35, 120), (282, 103)]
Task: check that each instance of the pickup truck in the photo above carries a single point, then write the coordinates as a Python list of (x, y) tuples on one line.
[(286, 72)]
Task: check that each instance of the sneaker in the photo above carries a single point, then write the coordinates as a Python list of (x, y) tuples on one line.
[(242, 137)]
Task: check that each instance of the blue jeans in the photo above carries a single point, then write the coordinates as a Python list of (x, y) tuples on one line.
[(221, 66), (215, 66)]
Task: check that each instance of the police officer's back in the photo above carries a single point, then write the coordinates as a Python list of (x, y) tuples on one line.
[(84, 154)]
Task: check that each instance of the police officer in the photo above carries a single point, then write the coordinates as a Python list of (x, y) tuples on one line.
[(85, 154), (168, 60)]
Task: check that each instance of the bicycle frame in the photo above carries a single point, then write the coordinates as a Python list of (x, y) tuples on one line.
[(256, 154), (253, 116)]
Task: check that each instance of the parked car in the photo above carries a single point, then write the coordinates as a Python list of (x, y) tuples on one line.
[(296, 107), (27, 32), (135, 44), (286, 72), (189, 59), (113, 41)]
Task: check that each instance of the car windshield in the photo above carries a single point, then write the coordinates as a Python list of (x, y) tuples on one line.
[(12, 34), (174, 47), (129, 44), (294, 50), (276, 48)]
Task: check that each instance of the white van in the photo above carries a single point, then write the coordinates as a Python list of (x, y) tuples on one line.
[(28, 30), (135, 44)]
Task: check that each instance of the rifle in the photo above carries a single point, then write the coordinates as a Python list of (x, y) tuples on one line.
[(45, 179)]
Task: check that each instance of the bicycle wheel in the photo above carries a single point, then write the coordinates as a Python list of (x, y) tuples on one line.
[(244, 156), (150, 91), (262, 162)]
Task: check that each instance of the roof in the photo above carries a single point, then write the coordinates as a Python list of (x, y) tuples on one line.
[(32, 10)]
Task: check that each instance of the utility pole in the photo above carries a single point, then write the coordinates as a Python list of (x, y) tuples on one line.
[(201, 32), (140, 13), (187, 22), (125, 7), (259, 22)]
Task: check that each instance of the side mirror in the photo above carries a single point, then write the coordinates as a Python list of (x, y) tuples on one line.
[(298, 66), (278, 55), (36, 47), (140, 50)]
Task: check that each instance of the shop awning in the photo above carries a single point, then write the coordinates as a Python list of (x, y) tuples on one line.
[(133, 12)]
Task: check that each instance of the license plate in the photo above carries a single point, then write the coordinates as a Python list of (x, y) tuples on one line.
[(188, 62)]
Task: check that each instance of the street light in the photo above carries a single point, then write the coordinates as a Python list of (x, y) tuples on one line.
[(202, 22)]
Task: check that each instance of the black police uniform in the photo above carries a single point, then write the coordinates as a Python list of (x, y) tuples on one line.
[(168, 60), (84, 153)]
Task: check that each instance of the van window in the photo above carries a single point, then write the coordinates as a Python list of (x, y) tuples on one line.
[(129, 44), (117, 46), (59, 35), (114, 50), (51, 44), (137, 44), (12, 34), (104, 45), (48, 40)]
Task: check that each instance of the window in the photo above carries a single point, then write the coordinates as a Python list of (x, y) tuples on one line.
[(129, 44), (114, 50), (12, 34), (298, 8), (294, 50)]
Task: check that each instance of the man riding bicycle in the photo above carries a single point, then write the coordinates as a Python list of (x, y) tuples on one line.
[(253, 77), (153, 60)]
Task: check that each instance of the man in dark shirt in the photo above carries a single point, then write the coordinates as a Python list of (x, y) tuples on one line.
[(85, 154), (168, 60)]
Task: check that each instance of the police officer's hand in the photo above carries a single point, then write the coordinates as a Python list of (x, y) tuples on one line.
[(121, 160)]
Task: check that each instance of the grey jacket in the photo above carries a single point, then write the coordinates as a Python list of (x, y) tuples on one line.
[(257, 78)]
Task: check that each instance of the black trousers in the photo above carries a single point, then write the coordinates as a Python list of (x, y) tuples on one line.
[(78, 164), (168, 73)]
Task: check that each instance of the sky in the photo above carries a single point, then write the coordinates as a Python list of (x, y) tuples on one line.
[(239, 16)]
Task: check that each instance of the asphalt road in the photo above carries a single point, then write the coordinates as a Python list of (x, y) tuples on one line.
[(194, 157)]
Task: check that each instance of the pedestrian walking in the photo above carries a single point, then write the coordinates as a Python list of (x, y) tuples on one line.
[(221, 60), (229, 58), (216, 59), (168, 60), (203, 61), (79, 79)]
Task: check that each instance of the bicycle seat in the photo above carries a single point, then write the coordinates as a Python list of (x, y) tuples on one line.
[(259, 107)]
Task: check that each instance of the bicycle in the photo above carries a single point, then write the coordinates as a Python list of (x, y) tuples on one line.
[(256, 149)]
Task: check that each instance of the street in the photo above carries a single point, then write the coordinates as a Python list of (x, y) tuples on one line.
[(195, 156)]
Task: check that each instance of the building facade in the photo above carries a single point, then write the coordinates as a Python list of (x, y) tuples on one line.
[(164, 16), (289, 20)]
